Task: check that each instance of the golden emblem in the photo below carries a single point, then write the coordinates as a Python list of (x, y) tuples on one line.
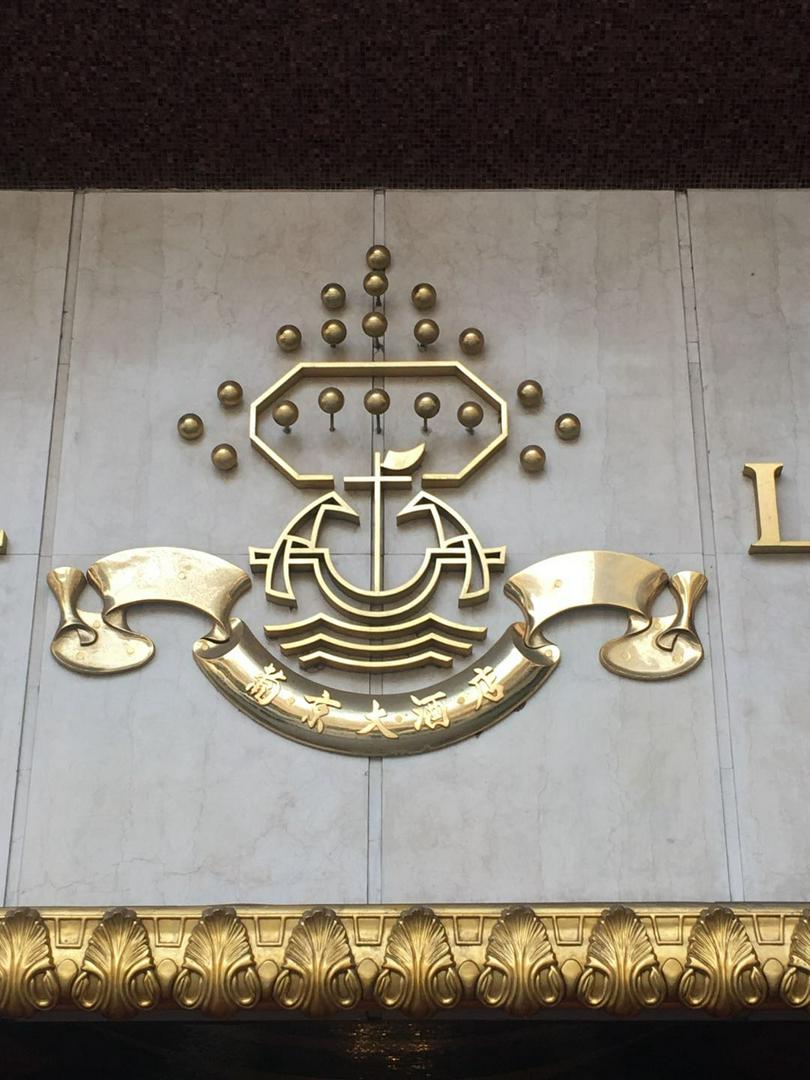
[(379, 627)]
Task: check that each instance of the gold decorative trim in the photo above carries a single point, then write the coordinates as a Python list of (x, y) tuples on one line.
[(522, 960), (419, 973), (318, 975), (622, 974), (218, 975), (117, 975)]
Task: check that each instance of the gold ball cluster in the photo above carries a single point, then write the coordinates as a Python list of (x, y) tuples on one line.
[(230, 394), (533, 458), (378, 257), (190, 427), (568, 427), (224, 457)]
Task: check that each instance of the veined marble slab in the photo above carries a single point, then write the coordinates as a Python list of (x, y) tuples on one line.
[(582, 291), (177, 292), (599, 787), (18, 574), (149, 786), (34, 231), (34, 234), (752, 276)]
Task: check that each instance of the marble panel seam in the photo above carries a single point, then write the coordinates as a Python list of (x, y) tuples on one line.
[(40, 616), (50, 502), (720, 695)]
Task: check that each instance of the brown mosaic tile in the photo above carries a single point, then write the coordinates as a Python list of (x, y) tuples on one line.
[(258, 93)]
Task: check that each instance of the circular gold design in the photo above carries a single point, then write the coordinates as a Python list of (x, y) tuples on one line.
[(224, 457), (568, 427), (333, 332), (470, 414), (471, 341), (530, 393), (230, 393), (375, 324), (426, 406), (288, 338), (285, 413), (426, 331), (532, 458), (190, 426), (376, 401), (375, 282), (378, 257), (423, 296), (333, 296), (331, 400)]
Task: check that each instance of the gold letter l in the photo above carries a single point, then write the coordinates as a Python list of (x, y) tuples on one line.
[(769, 542)]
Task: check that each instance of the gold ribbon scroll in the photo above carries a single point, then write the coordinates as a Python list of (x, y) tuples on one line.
[(389, 725)]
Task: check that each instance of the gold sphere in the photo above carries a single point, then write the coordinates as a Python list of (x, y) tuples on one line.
[(426, 331), (423, 296), (285, 413), (530, 393), (333, 296), (426, 406), (330, 400), (375, 282), (375, 324), (378, 257), (471, 341), (533, 459), (568, 427), (288, 338), (224, 457), (376, 401), (470, 414), (229, 393), (190, 426), (333, 332)]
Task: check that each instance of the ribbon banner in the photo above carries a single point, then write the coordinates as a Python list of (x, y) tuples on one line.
[(301, 708)]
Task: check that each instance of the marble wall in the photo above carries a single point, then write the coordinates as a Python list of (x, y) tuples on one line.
[(676, 326)]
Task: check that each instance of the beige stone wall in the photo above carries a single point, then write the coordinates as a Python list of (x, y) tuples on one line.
[(677, 327)]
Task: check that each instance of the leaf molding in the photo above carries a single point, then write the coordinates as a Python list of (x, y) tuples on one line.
[(28, 981), (622, 974), (794, 989), (722, 974), (520, 973), (419, 974), (218, 974), (117, 976), (318, 974)]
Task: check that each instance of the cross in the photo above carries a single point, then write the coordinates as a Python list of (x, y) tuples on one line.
[(376, 483)]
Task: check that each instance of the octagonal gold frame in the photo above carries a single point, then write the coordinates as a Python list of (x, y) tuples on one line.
[(376, 369)]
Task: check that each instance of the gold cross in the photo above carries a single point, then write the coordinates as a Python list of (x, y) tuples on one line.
[(376, 483)]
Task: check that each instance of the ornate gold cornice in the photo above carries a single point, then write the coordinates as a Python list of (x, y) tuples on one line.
[(522, 959)]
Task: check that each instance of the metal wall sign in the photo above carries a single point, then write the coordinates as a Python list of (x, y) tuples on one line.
[(379, 628)]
